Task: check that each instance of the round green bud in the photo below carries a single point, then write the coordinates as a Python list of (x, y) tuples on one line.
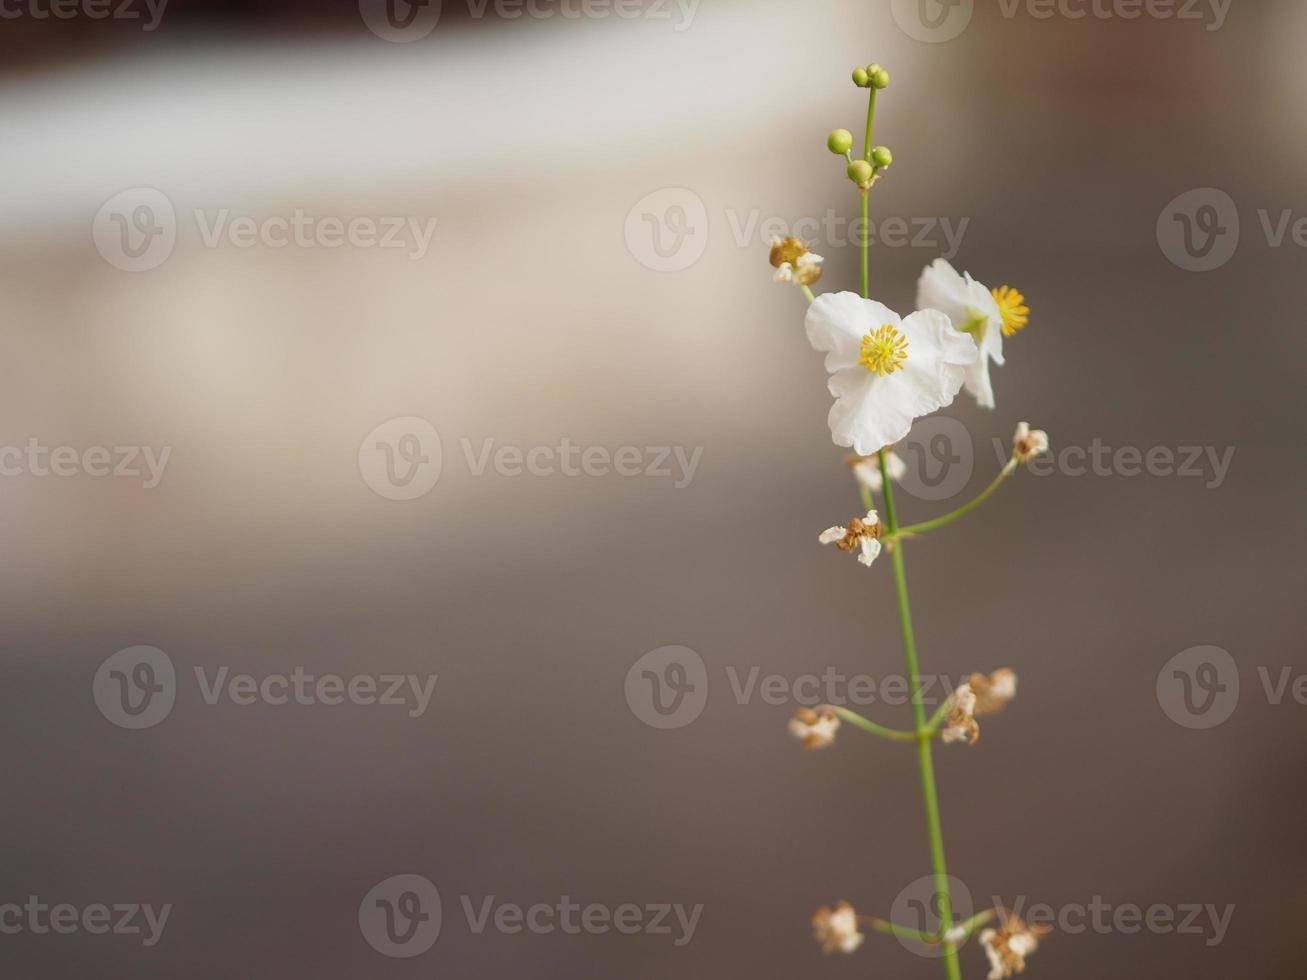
[(860, 77), (872, 69), (860, 172), (881, 157), (840, 141), (879, 78)]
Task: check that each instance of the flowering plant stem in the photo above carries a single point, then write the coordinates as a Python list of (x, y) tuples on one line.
[(855, 719), (962, 511), (925, 760)]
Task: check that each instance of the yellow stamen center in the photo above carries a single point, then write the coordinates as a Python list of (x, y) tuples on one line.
[(884, 351), (1012, 307)]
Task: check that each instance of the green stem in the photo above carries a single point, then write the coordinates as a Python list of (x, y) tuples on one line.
[(966, 508), (940, 713), (855, 719), (864, 211), (925, 760), (864, 244), (894, 929), (808, 293), (871, 120)]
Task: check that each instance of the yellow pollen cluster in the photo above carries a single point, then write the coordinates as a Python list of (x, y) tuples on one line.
[(884, 351), (1012, 306)]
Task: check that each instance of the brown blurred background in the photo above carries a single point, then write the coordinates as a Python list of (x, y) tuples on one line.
[(540, 312)]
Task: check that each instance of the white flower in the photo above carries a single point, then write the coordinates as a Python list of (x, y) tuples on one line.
[(837, 929), (866, 470), (794, 262), (960, 725), (993, 692), (862, 534), (1028, 443), (971, 307), (816, 730), (1007, 948), (885, 371)]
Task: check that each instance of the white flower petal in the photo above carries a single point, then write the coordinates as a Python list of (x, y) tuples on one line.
[(833, 534), (961, 298), (837, 322), (895, 466), (870, 551)]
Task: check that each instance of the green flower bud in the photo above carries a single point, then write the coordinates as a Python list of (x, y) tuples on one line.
[(860, 173), (860, 77), (839, 141), (882, 157), (878, 78)]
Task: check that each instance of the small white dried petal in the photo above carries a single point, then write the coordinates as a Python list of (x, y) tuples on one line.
[(833, 534), (1028, 443)]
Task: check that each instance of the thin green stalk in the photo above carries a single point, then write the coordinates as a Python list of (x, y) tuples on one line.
[(864, 248), (871, 120), (894, 929), (867, 725), (965, 509)]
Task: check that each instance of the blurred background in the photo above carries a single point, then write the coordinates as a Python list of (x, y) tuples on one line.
[(360, 468)]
